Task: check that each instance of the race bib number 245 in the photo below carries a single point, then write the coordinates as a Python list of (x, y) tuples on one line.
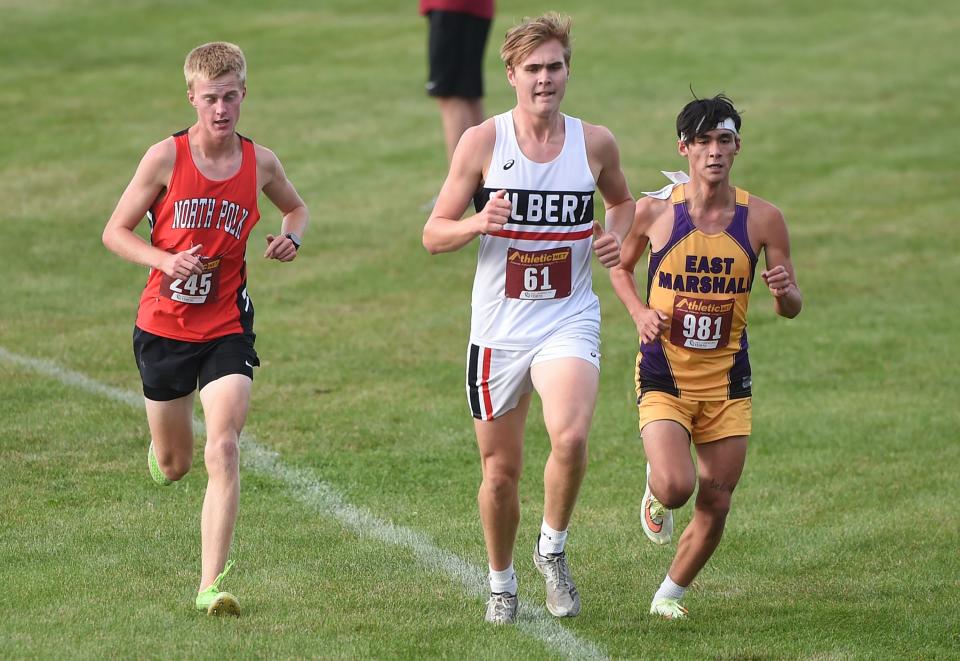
[(198, 288)]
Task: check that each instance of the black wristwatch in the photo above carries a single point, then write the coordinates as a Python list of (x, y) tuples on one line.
[(294, 239)]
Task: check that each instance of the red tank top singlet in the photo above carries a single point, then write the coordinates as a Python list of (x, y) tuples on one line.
[(218, 214)]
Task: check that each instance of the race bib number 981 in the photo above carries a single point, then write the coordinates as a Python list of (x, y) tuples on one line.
[(538, 275), (198, 288), (700, 323)]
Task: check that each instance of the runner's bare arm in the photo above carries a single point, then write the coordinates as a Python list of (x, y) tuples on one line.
[(444, 231), (779, 275), (618, 203), (280, 191), (650, 323), (148, 182)]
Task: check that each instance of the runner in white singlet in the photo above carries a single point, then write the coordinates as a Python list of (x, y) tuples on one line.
[(532, 173)]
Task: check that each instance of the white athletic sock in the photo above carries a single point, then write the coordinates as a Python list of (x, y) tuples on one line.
[(551, 541), (669, 589), (503, 581)]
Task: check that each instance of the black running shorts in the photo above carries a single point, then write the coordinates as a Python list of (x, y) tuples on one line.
[(455, 50), (171, 369)]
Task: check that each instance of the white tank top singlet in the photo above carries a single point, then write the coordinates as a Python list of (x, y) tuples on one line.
[(534, 276)]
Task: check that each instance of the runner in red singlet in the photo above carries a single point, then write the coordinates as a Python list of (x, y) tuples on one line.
[(194, 328)]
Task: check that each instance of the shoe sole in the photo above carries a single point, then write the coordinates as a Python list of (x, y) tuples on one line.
[(556, 613), (224, 604), (668, 618), (500, 623)]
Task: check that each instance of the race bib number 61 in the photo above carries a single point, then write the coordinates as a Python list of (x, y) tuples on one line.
[(198, 288), (538, 275), (700, 323)]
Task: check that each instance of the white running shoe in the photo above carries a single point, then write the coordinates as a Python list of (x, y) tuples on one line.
[(657, 520), (502, 608), (563, 600)]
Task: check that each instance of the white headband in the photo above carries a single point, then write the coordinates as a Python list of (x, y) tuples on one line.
[(727, 124)]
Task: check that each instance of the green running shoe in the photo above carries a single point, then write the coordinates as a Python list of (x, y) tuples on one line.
[(155, 471), (215, 602), (668, 609)]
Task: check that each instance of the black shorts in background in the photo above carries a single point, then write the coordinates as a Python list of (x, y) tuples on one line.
[(171, 369), (455, 50)]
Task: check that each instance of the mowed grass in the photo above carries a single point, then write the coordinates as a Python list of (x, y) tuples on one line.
[(844, 535)]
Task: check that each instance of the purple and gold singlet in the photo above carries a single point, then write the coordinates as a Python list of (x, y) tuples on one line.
[(702, 283)]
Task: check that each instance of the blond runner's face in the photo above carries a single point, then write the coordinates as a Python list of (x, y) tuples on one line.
[(218, 103), (541, 79), (710, 156)]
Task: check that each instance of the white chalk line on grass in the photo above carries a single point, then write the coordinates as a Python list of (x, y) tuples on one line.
[(325, 499)]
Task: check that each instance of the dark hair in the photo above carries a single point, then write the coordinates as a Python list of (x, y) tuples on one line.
[(702, 115)]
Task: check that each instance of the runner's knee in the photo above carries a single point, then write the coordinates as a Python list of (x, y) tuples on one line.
[(714, 506), (222, 450), (673, 490), (569, 446), (173, 464), (500, 480)]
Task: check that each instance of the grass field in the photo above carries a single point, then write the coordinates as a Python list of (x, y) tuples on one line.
[(358, 533)]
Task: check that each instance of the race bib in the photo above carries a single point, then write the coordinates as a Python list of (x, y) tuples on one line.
[(538, 275), (198, 288), (700, 323)]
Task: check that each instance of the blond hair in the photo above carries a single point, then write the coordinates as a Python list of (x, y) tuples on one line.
[(213, 60), (523, 39)]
